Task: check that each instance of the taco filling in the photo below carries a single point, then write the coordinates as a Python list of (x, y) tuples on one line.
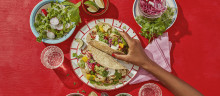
[(109, 35), (98, 74)]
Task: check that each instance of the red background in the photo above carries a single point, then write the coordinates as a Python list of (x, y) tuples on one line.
[(194, 54)]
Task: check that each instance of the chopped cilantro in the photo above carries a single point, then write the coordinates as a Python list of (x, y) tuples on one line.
[(92, 72), (77, 56), (81, 64), (104, 73), (91, 61), (83, 91)]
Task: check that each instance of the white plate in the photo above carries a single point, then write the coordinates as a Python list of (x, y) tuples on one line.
[(170, 3), (82, 33)]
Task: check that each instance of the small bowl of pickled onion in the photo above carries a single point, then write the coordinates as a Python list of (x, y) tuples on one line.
[(152, 8)]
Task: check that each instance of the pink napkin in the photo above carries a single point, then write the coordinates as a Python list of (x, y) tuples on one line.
[(158, 51)]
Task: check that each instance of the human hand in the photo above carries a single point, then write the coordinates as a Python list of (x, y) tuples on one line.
[(136, 54)]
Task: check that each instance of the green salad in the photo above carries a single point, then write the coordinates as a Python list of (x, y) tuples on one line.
[(57, 20), (155, 27)]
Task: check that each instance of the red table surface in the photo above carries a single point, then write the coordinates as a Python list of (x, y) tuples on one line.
[(194, 54)]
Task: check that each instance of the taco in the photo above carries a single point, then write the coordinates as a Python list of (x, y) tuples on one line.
[(102, 70), (107, 38)]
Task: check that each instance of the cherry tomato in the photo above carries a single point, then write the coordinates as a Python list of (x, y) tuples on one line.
[(44, 12)]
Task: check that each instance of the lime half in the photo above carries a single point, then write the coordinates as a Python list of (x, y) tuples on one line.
[(100, 3), (92, 6), (92, 94)]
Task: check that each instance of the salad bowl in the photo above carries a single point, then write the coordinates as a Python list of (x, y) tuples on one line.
[(33, 28)]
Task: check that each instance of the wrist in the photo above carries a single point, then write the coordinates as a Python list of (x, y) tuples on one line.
[(148, 64)]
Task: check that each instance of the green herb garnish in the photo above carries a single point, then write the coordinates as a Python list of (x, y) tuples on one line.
[(77, 56), (83, 91), (81, 64), (155, 27)]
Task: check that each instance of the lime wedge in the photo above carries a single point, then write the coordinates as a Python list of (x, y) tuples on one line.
[(92, 9), (92, 94), (81, 43), (100, 3), (91, 4)]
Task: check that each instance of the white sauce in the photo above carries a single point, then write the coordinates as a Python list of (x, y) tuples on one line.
[(97, 37), (111, 71), (87, 67), (106, 27), (115, 47)]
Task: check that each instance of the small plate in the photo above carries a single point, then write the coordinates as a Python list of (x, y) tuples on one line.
[(170, 3), (100, 11), (82, 33)]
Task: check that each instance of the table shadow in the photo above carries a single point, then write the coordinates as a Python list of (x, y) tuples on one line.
[(178, 31), (67, 76)]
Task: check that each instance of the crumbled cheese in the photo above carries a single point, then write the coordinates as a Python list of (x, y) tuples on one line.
[(106, 27), (115, 47), (97, 37), (111, 71)]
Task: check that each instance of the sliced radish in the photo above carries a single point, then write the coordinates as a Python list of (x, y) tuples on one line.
[(59, 27), (53, 26), (50, 35), (68, 25), (44, 11), (54, 21)]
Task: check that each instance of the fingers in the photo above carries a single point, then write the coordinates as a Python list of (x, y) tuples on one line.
[(120, 57), (127, 38)]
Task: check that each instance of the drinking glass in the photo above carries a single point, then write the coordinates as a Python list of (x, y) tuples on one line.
[(52, 57), (150, 89)]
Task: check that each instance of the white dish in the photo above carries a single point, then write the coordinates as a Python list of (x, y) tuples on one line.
[(170, 3)]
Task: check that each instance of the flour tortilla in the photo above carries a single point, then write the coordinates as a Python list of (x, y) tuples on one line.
[(101, 45), (104, 59)]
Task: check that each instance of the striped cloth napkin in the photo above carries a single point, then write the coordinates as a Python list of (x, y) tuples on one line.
[(158, 51)]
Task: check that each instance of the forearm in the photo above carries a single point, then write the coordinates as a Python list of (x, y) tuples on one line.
[(174, 84)]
